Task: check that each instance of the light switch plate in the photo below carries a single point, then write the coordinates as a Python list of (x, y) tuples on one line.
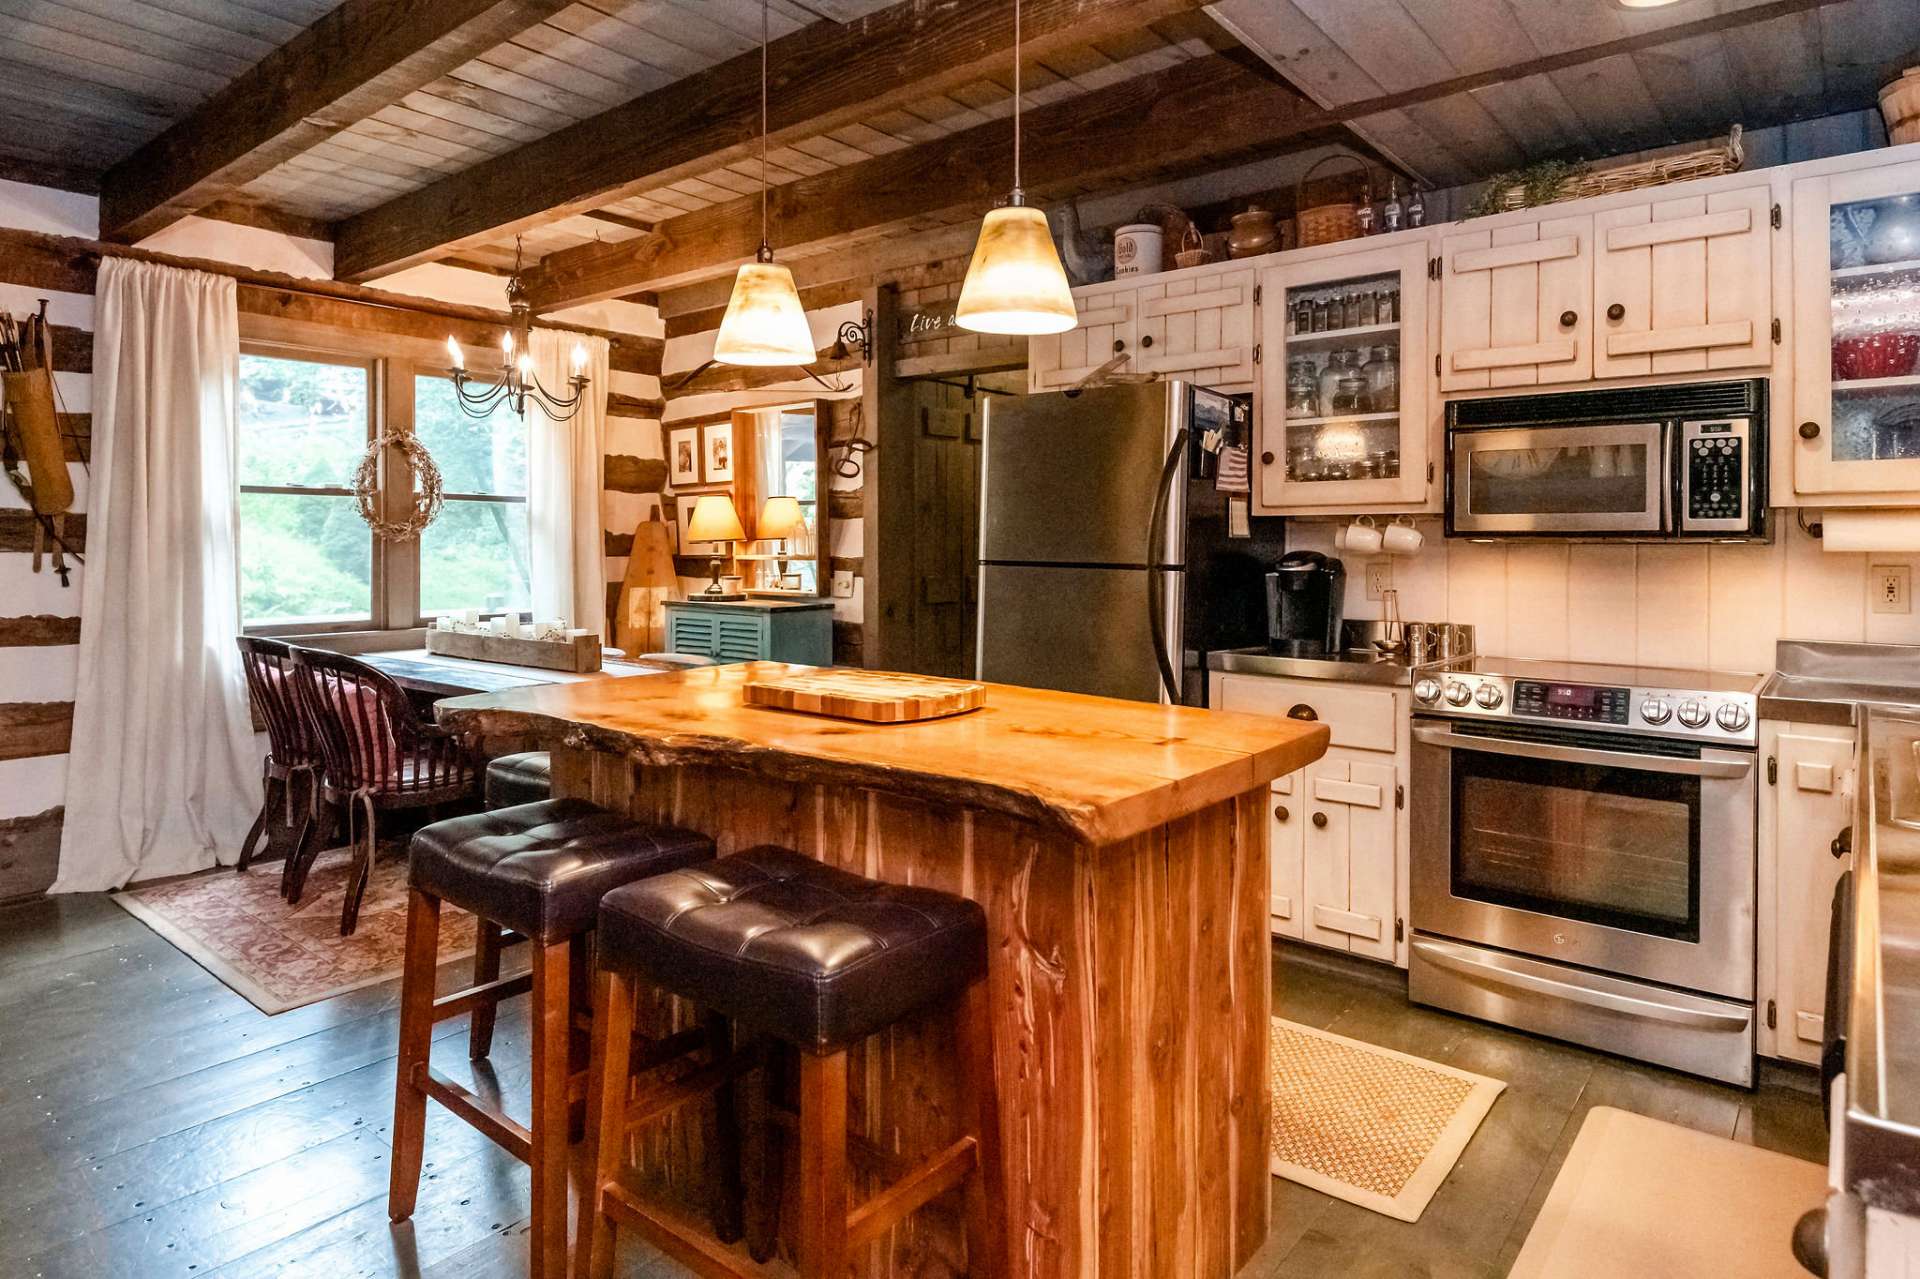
[(843, 585), (1892, 588), (1379, 577)]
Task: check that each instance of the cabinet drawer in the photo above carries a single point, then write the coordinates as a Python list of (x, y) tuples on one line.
[(1360, 718)]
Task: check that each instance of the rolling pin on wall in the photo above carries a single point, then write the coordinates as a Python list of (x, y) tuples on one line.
[(31, 449)]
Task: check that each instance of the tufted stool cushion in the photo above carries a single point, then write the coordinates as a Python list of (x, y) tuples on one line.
[(541, 869), (793, 947), (519, 779)]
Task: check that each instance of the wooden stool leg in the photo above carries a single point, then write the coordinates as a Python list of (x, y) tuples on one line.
[(416, 1043), (606, 1115), (986, 1196), (823, 1166), (726, 1195), (486, 968), (760, 1155), (552, 1029)]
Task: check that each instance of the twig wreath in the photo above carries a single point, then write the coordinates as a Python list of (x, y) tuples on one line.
[(427, 498)]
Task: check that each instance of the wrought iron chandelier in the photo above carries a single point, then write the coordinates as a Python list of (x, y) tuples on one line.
[(519, 385)]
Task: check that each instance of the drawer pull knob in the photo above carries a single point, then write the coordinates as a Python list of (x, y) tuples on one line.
[(1147, 341), (1616, 312), (1569, 318), (1266, 458), (1119, 345), (1300, 710), (1842, 843), (1320, 821), (1280, 813), (1809, 430)]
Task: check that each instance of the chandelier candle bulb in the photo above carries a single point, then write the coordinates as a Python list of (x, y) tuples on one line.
[(579, 358), (453, 353)]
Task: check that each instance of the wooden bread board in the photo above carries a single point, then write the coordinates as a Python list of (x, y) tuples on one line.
[(581, 654), (873, 697)]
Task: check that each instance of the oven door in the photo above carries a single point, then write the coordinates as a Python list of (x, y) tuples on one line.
[(1611, 479), (1626, 856)]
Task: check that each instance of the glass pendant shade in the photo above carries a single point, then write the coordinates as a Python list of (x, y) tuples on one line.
[(765, 323), (1015, 283)]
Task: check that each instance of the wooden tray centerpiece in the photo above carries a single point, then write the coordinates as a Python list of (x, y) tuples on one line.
[(872, 697)]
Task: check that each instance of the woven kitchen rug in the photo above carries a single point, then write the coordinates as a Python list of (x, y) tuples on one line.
[(1368, 1125), (279, 957)]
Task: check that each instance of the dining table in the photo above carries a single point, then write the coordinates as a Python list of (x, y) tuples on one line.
[(436, 675)]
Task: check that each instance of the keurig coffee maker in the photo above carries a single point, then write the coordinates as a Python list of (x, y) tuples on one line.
[(1306, 597)]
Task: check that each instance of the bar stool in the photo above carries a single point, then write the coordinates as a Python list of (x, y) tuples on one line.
[(538, 870), (525, 778), (793, 949)]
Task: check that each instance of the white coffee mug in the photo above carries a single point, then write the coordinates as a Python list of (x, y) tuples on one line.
[(1402, 538), (1363, 538)]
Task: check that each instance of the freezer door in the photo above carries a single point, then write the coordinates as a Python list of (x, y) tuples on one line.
[(1078, 630), (1071, 479)]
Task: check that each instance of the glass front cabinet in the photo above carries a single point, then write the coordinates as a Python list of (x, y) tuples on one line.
[(1856, 263), (1345, 410)]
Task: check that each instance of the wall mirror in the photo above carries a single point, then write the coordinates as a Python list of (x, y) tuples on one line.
[(780, 491)]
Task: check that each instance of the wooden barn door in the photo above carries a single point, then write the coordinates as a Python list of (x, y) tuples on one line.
[(946, 527)]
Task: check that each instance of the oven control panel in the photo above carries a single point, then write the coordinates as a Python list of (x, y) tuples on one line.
[(1587, 703)]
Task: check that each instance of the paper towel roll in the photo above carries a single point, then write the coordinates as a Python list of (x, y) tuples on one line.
[(1870, 530)]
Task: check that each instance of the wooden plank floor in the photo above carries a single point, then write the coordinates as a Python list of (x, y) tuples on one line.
[(154, 1125)]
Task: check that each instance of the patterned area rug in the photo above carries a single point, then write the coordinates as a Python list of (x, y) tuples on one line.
[(280, 957), (1369, 1125)]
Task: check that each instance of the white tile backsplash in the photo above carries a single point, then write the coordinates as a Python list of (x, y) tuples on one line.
[(1689, 606)]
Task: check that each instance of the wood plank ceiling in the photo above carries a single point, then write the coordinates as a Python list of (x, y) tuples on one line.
[(1807, 59)]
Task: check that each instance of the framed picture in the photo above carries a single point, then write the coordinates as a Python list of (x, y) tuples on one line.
[(683, 456), (683, 505), (716, 448)]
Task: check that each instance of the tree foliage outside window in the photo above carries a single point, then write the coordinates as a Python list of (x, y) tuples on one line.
[(476, 554)]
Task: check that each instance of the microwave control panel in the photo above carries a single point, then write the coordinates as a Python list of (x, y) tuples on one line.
[(1715, 457)]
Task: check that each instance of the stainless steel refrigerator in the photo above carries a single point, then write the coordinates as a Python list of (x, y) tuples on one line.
[(1113, 556)]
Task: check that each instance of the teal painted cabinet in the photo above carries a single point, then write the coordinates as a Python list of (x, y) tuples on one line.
[(752, 630)]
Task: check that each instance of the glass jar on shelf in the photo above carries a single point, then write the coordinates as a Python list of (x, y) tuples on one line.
[(1303, 388), (1302, 316), (1383, 380), (1322, 317), (1350, 392), (1369, 308), (1387, 307), (1329, 380)]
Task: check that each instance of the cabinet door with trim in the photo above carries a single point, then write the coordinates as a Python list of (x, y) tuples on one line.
[(1684, 285), (1287, 846), (1198, 327), (1515, 303), (1370, 859), (1813, 807), (1107, 327), (1324, 891)]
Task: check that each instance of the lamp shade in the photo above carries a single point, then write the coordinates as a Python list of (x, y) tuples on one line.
[(713, 520), (780, 517), (765, 323), (1015, 283)]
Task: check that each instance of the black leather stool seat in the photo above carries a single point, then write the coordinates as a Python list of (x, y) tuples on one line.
[(519, 779), (541, 869), (793, 947)]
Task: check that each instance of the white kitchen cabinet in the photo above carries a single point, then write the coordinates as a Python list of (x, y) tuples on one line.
[(1362, 444), (1198, 325), (1856, 332), (1516, 304), (1684, 284), (1285, 853), (1108, 326), (1803, 807), (1348, 880)]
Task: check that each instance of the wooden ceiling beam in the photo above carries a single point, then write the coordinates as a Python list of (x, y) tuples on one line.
[(1197, 113), (358, 58), (824, 76)]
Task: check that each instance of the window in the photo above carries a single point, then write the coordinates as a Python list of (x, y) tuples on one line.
[(306, 557), (476, 554), (308, 563)]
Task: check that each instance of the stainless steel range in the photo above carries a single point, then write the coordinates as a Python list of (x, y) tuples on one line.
[(1583, 856)]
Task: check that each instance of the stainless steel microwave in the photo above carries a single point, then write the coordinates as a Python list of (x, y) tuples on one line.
[(1649, 463)]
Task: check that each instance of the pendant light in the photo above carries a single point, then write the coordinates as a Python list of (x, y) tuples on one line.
[(765, 323), (1015, 283)]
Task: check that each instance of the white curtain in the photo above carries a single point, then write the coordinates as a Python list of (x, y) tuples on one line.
[(164, 775), (564, 466)]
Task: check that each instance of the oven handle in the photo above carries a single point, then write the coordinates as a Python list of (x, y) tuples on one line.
[(1717, 765), (1459, 959)]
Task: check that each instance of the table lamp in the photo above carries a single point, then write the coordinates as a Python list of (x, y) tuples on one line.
[(714, 520), (780, 519)]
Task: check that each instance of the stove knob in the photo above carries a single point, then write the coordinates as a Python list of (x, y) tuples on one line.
[(1732, 717), (1458, 694), (1693, 714), (1655, 711), (1488, 696), (1427, 690)]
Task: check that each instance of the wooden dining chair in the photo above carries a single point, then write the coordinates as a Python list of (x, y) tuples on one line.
[(293, 755), (377, 755)]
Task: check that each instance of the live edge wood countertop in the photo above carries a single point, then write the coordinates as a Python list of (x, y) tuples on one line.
[(1096, 768)]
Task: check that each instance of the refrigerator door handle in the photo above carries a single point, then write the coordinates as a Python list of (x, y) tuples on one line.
[(1156, 570)]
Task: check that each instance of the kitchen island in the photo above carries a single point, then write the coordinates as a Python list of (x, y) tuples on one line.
[(1120, 851)]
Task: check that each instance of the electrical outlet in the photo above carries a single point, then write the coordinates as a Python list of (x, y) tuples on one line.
[(843, 585), (1379, 577), (1892, 588)]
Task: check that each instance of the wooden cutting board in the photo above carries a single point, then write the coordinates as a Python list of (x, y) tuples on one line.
[(873, 697)]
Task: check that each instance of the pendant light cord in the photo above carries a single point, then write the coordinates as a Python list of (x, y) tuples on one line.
[(766, 245), (1019, 197)]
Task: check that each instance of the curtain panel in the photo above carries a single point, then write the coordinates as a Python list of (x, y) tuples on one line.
[(565, 463)]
